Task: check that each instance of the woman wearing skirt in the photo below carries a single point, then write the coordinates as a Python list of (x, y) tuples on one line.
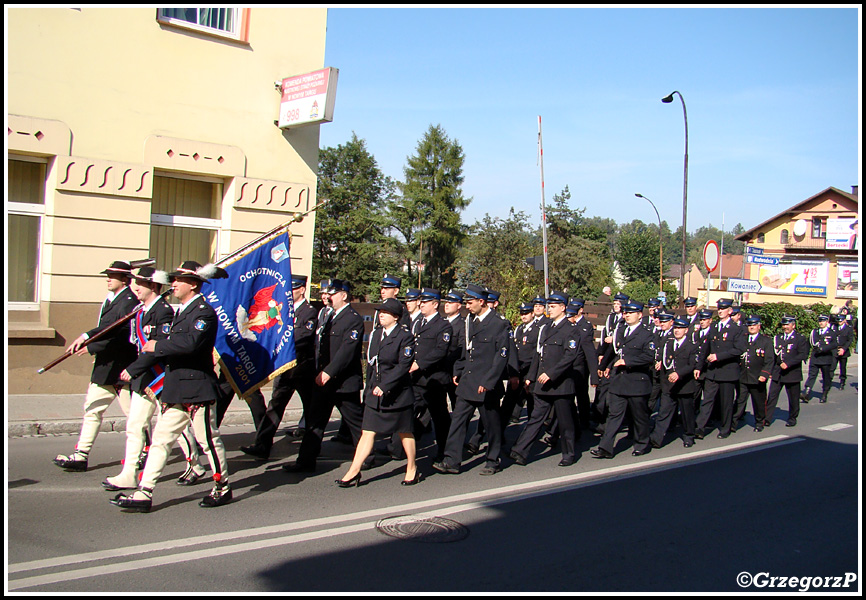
[(388, 395)]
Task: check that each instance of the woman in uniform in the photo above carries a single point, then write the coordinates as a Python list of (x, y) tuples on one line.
[(388, 396)]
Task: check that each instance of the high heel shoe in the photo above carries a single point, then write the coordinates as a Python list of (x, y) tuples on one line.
[(356, 481), (417, 479)]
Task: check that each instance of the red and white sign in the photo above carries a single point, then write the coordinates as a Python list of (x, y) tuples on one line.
[(711, 256), (308, 98)]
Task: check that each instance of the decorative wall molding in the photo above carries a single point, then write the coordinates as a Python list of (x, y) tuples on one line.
[(41, 137), (192, 156), (76, 174), (262, 194)]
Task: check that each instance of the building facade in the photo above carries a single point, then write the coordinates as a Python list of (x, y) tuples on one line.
[(807, 253), (143, 132)]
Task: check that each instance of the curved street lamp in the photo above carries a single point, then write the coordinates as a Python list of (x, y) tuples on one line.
[(667, 100), (660, 237)]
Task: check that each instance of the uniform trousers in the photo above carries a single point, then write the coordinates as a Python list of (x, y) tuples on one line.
[(284, 389), (617, 406), (793, 392), (581, 384), (460, 417), (256, 403), (435, 396), (564, 407), (141, 411), (513, 402), (668, 406), (843, 368), (169, 427), (351, 410), (725, 391), (826, 376), (758, 392), (97, 401)]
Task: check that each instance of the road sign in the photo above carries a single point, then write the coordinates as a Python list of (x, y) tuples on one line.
[(711, 256), (761, 260), (750, 286), (753, 250)]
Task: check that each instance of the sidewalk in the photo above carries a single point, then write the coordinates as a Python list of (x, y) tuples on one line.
[(51, 415)]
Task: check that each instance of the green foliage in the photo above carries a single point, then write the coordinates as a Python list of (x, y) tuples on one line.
[(350, 241), (428, 214), (637, 250), (771, 313), (643, 290)]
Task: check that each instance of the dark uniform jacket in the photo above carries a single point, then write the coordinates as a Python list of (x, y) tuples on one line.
[(727, 343), (823, 346), (432, 342), (757, 361), (114, 352), (525, 342), (586, 359), (485, 357), (304, 332), (638, 351), (188, 355), (683, 361), (791, 352), (340, 351), (388, 369), (844, 338), (557, 351), (455, 346), (155, 325), (610, 325)]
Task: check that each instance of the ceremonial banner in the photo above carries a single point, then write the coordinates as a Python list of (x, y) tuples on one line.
[(256, 313)]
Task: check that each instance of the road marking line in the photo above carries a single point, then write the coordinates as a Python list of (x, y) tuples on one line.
[(439, 506), (835, 427)]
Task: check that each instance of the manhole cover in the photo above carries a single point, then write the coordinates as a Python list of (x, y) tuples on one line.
[(423, 529)]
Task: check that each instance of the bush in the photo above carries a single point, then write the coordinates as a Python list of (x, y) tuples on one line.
[(643, 290)]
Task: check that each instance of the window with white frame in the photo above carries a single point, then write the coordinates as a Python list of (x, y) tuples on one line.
[(223, 22), (184, 221), (25, 209)]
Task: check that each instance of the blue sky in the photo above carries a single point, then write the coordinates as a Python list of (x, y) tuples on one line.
[(772, 97)]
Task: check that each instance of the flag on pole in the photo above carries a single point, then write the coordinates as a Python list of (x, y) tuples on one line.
[(256, 313)]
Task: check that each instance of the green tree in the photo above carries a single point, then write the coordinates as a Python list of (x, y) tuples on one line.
[(637, 250), (427, 216), (350, 241)]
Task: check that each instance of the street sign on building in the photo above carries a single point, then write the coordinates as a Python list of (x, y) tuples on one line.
[(308, 98), (754, 250), (761, 260)]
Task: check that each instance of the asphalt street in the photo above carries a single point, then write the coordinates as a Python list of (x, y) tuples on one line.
[(725, 516)]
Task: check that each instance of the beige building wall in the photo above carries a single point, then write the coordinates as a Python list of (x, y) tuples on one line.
[(108, 98), (831, 204)]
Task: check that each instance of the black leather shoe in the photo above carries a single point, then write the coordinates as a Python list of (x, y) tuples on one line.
[(218, 496), (723, 436), (518, 458), (345, 483), (418, 478), (256, 451), (445, 468), (115, 488), (640, 452), (490, 469), (655, 444), (299, 467), (566, 462), (699, 434), (600, 453), (127, 503), (791, 423), (189, 476), (472, 449), (759, 427), (688, 443), (70, 464)]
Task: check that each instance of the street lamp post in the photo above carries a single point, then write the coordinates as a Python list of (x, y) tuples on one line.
[(667, 100), (661, 269)]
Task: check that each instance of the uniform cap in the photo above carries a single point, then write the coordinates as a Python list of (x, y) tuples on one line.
[(453, 296), (119, 267), (621, 297), (691, 301), (753, 320), (664, 317), (632, 306), (525, 308), (391, 306), (681, 323), (788, 319), (298, 281), (390, 281), (194, 270), (475, 292), (724, 303), (152, 275), (430, 294), (539, 300), (557, 298), (705, 314)]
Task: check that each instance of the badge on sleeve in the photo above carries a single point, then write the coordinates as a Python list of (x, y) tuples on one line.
[(353, 335), (166, 328), (407, 351), (309, 325), (652, 346), (446, 337), (572, 344), (504, 352), (200, 325)]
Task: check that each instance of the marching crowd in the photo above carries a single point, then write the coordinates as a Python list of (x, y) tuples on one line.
[(429, 367)]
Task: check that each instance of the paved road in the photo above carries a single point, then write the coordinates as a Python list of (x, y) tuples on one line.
[(783, 502)]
